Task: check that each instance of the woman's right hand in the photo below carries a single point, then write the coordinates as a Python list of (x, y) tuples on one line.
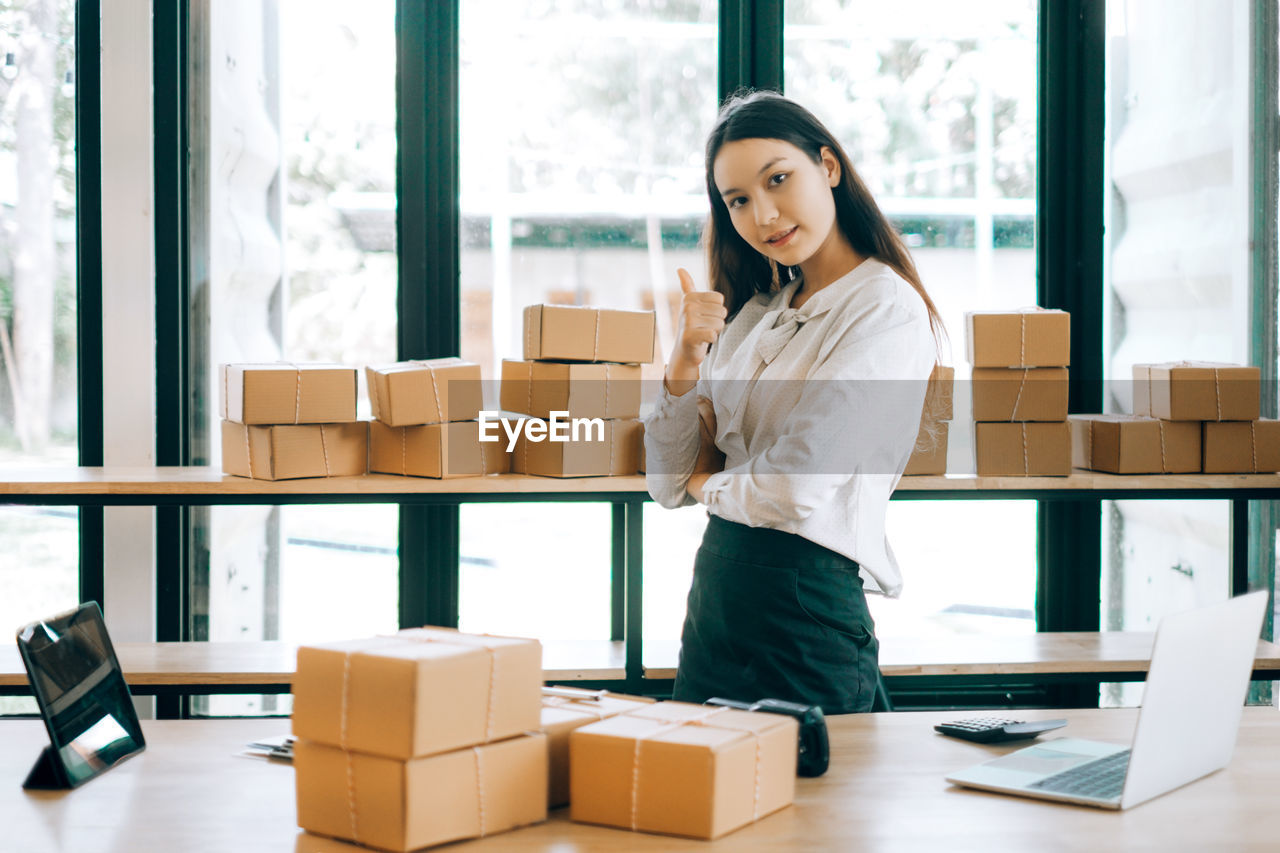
[(702, 316)]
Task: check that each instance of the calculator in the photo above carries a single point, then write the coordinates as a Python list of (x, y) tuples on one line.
[(996, 729)]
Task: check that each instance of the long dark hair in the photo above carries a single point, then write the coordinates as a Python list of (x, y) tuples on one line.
[(739, 271)]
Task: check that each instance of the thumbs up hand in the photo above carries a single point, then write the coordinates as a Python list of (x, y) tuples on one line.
[(702, 317)]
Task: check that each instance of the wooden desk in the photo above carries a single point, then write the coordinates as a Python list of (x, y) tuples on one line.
[(885, 792)]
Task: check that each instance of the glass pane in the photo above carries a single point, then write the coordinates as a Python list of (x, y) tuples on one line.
[(38, 407), (582, 130), (952, 588), (1177, 270), (671, 539), (516, 581), (935, 103), (293, 214)]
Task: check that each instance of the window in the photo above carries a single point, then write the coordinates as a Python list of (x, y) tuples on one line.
[(38, 406), (581, 183), (935, 103)]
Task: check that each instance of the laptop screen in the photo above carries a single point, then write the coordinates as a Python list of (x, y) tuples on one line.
[(81, 692)]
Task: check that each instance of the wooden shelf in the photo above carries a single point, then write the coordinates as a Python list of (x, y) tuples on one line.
[(70, 484), (269, 666)]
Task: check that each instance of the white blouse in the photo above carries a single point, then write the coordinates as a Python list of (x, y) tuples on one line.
[(817, 410)]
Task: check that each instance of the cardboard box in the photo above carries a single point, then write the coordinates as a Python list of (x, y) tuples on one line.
[(291, 451), (1134, 444), (1029, 394), (575, 333), (538, 388), (560, 716), (1197, 391), (682, 769), (1241, 447), (1022, 449), (930, 453), (287, 393), (1027, 337), (417, 692), (407, 805), (443, 451), (437, 390), (939, 393), (618, 454)]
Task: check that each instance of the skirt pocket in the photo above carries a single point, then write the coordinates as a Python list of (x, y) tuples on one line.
[(834, 600)]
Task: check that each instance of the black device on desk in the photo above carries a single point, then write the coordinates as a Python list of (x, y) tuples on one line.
[(83, 698), (815, 752), (996, 729)]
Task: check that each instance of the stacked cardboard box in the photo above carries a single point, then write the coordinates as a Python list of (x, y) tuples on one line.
[(284, 421), (425, 420), (1210, 405), (682, 769), (419, 738), (1019, 381), (581, 370), (930, 453)]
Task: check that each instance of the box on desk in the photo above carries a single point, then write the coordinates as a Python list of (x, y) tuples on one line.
[(1134, 444), (437, 390), (682, 769), (613, 449), (560, 716), (1241, 447), (435, 450), (417, 692), (538, 388), (1029, 394), (576, 333), (291, 451), (1027, 337), (287, 393), (1196, 391), (930, 453), (400, 805), (1022, 449)]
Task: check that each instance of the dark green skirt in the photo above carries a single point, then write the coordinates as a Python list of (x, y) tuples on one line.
[(773, 615)]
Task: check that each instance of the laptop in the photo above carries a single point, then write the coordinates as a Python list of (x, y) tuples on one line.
[(1191, 708)]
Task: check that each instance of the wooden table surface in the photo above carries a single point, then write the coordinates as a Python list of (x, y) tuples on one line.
[(885, 791)]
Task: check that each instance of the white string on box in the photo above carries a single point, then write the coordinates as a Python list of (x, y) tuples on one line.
[(1217, 392), (1164, 464), (595, 344), (1253, 445), (324, 448), (484, 464), (606, 389), (404, 450), (1088, 442), (1022, 338), (755, 802), (1026, 455), (1013, 416), (493, 670), (480, 790), (342, 740), (248, 448), (297, 392)]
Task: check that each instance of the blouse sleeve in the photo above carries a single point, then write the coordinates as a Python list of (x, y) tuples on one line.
[(671, 445), (858, 414)]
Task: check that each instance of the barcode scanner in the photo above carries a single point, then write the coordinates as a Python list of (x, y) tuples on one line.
[(814, 750)]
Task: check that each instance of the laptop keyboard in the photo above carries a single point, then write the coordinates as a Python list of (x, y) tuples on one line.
[(1102, 779)]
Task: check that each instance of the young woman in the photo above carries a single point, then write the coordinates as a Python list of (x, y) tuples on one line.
[(789, 407)]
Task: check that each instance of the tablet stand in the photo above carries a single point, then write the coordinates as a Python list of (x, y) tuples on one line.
[(47, 773)]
